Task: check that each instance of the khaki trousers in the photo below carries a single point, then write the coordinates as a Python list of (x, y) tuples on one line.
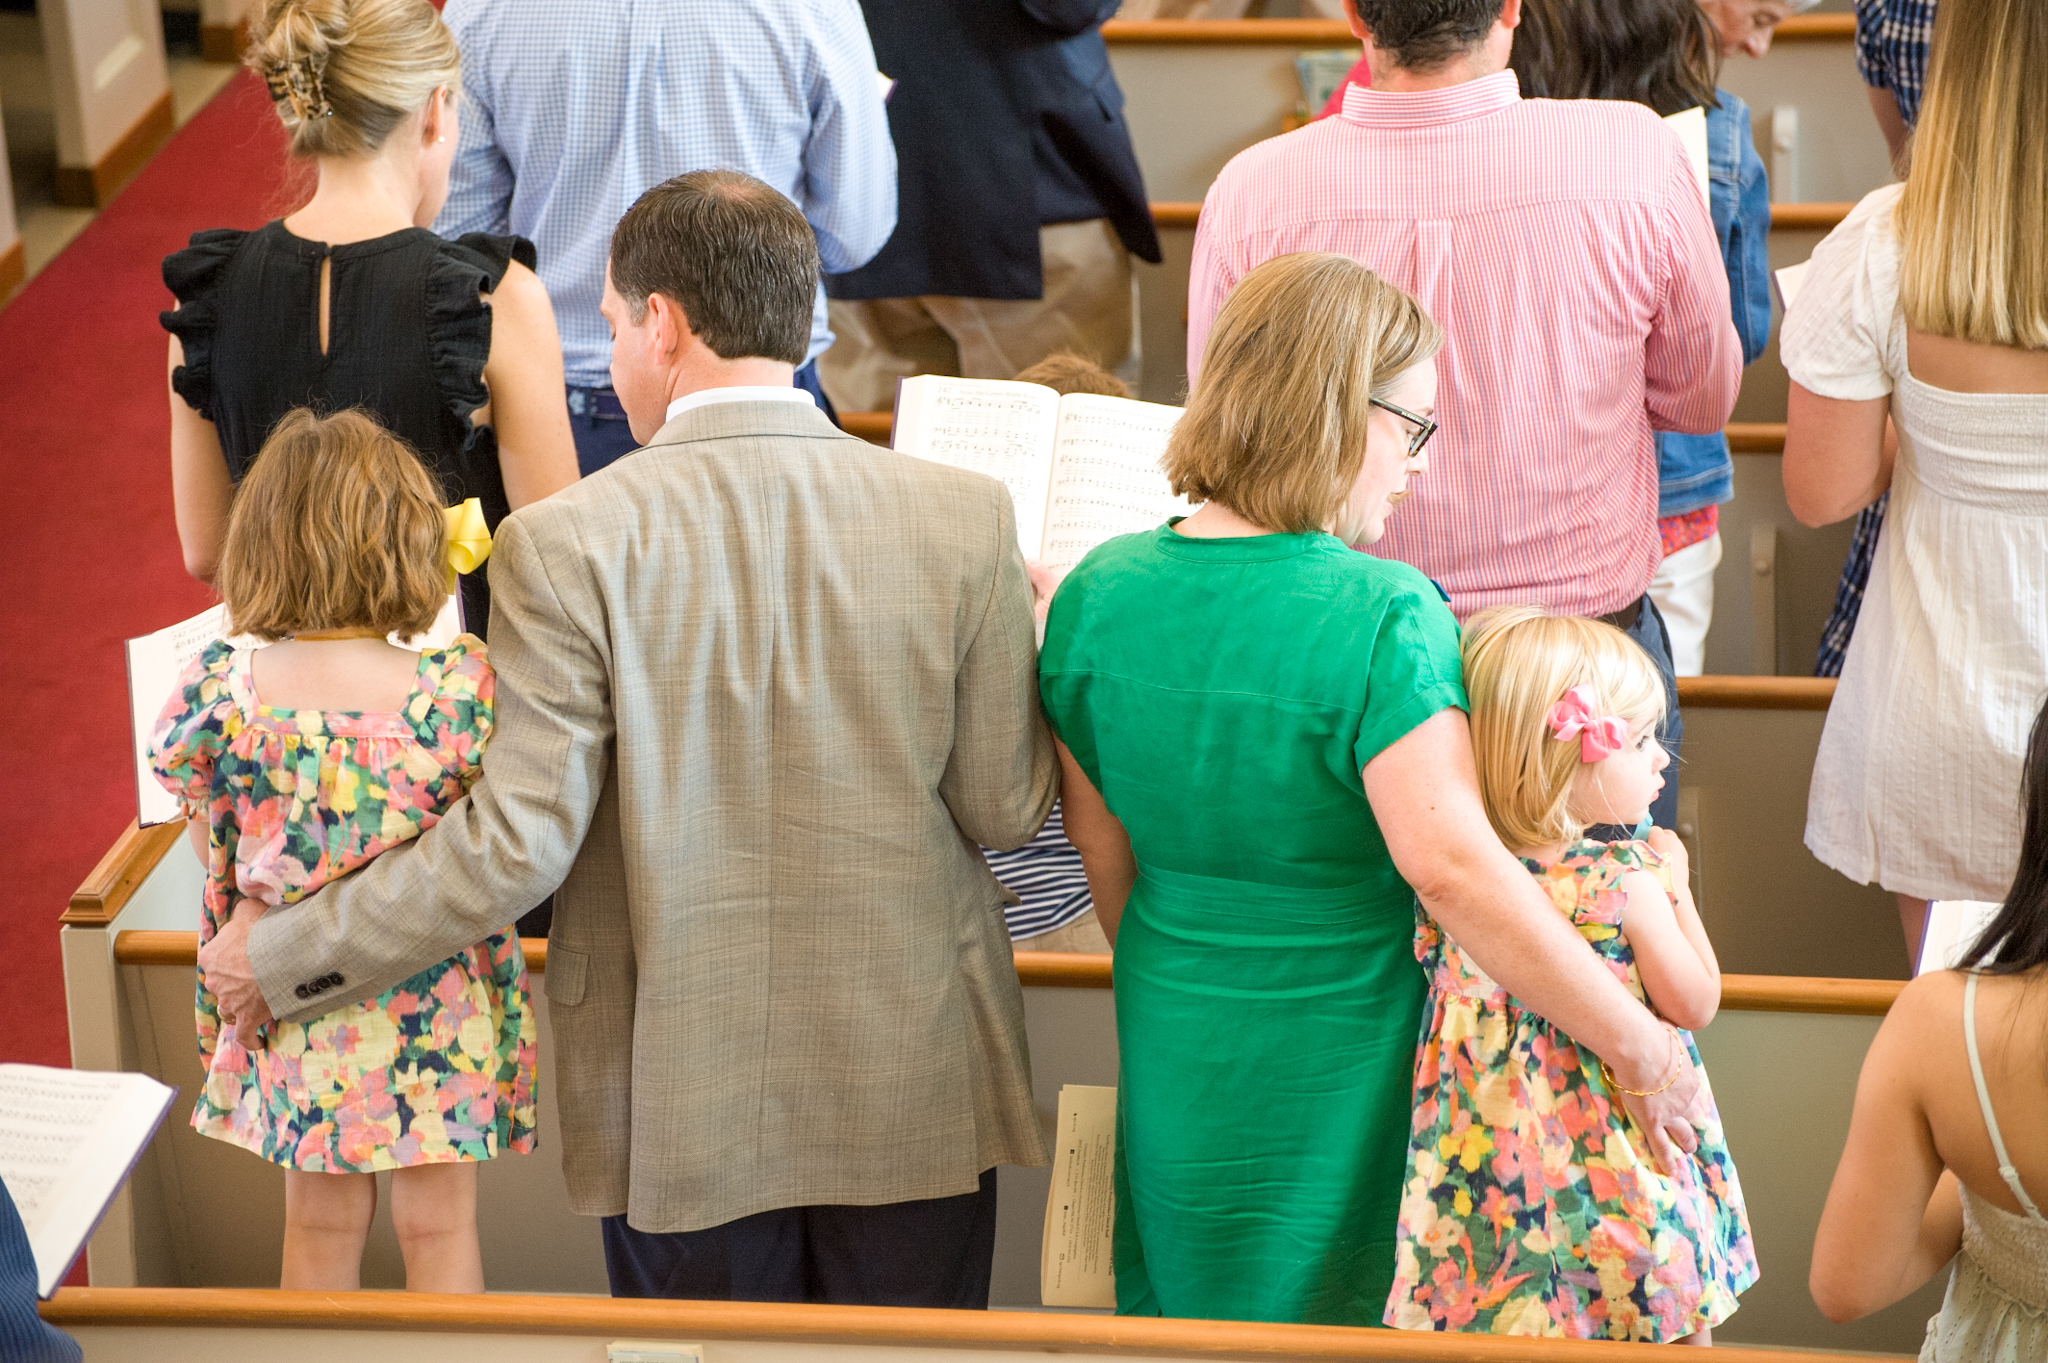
[(1090, 307), (1083, 934)]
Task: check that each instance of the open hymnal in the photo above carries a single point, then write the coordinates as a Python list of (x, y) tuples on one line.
[(1691, 127), (1074, 1267), (68, 1139), (1080, 469), (1953, 926), (156, 661), (1787, 281)]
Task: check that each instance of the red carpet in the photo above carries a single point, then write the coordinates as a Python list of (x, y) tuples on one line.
[(91, 547)]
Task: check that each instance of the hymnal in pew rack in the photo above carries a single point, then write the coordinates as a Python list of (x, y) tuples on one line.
[(1080, 469), (68, 1140)]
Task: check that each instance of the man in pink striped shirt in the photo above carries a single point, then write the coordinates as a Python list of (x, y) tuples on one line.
[(1566, 250)]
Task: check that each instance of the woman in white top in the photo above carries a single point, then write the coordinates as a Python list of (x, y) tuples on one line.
[(1929, 305), (1948, 1149)]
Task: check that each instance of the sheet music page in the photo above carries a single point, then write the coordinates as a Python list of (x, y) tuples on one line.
[(1953, 926), (1691, 127), (992, 426), (1074, 1266), (67, 1140), (1787, 281), (155, 661), (1106, 479)]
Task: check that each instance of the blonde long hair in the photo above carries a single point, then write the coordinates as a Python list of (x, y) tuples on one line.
[(1973, 220), (345, 73), (1519, 661), (1275, 427)]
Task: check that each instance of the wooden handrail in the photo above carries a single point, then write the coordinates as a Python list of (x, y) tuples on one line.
[(902, 1327), (124, 867), (1755, 693), (875, 426), (1744, 437), (1074, 970), (1799, 28), (1755, 437), (1799, 217)]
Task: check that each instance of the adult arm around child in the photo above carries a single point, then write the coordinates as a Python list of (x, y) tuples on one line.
[(1424, 791)]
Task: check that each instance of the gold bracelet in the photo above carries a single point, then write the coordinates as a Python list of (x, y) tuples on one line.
[(1677, 1068)]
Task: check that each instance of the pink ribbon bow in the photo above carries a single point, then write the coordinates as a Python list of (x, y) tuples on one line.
[(1600, 736)]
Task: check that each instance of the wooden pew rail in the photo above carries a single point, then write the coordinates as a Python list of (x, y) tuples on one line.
[(1007, 1332)]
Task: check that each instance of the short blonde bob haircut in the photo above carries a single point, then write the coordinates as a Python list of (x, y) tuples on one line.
[(1973, 219), (345, 73), (337, 525), (1275, 426), (1519, 661)]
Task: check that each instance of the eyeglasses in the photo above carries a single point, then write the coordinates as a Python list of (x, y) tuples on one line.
[(1424, 427)]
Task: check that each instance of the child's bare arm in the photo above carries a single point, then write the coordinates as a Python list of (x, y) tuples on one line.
[(1672, 954), (1666, 844), (196, 833)]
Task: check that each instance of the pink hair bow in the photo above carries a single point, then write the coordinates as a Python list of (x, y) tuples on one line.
[(1600, 736)]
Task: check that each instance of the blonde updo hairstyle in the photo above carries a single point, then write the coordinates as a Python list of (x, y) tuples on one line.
[(345, 73), (1519, 661)]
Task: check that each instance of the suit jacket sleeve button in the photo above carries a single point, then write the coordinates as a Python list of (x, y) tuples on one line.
[(303, 992)]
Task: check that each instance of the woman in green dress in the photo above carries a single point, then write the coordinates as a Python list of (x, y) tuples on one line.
[(1264, 747)]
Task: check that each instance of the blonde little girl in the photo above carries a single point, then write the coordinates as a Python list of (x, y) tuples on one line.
[(299, 762), (1532, 1204)]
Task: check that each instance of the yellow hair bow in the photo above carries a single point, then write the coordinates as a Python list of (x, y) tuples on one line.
[(469, 539)]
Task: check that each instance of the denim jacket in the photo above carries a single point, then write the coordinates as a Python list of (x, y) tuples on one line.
[(1694, 471)]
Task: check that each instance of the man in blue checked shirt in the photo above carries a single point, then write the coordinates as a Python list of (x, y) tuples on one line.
[(573, 107)]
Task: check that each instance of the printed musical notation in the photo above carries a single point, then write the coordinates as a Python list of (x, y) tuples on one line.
[(41, 1123), (1106, 477), (1003, 430)]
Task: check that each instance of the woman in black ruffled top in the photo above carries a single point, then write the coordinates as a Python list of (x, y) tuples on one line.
[(351, 302)]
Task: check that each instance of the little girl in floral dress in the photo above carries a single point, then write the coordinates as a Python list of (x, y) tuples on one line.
[(297, 763), (1532, 1204)]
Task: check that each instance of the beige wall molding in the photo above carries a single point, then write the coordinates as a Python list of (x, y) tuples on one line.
[(94, 185)]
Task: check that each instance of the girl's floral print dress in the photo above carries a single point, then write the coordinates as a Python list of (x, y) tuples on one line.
[(1532, 1204), (435, 1070)]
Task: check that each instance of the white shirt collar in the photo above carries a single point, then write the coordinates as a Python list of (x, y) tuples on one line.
[(704, 397)]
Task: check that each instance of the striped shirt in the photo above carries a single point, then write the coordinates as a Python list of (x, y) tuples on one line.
[(1566, 249), (1046, 874), (571, 108)]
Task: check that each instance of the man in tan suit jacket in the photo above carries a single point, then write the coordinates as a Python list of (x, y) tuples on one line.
[(762, 688)]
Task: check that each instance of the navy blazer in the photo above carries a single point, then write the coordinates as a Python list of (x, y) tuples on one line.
[(990, 95)]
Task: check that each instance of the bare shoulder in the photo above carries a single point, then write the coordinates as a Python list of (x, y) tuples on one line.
[(520, 295)]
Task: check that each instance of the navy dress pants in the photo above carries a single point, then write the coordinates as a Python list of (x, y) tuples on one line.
[(936, 1252)]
